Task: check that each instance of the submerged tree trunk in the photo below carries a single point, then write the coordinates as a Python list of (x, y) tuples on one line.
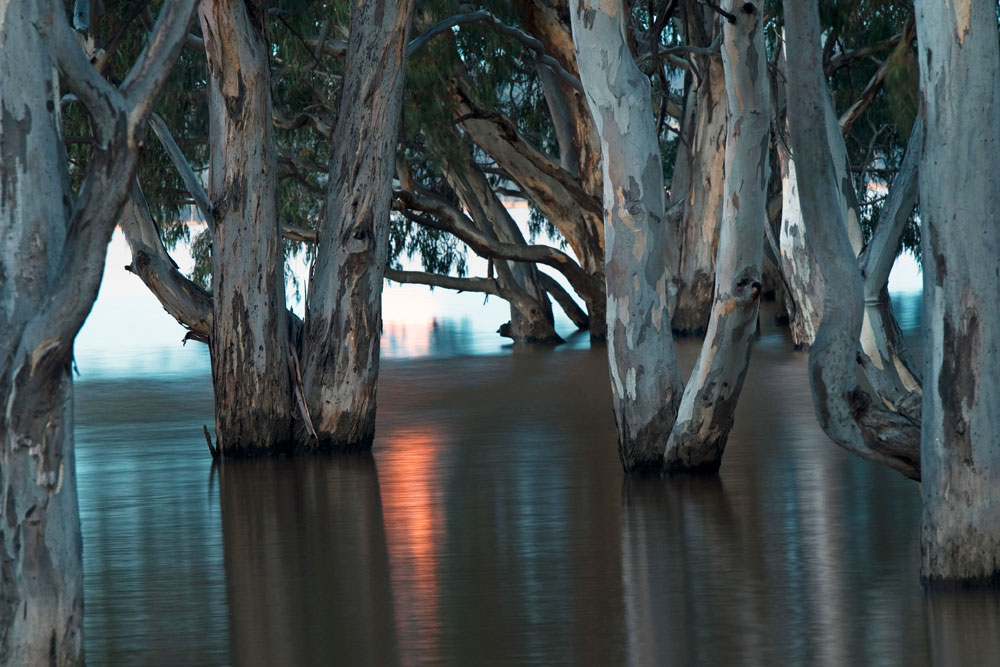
[(52, 252), (707, 409), (344, 318), (798, 258), (645, 381), (960, 209), (699, 176), (850, 412), (248, 342)]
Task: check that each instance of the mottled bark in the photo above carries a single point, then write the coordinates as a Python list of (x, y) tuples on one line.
[(52, 252), (699, 175), (960, 200), (344, 319), (248, 342), (645, 381), (799, 263), (850, 413), (707, 409)]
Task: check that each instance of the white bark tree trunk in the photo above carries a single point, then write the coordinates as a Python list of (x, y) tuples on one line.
[(850, 412), (248, 341), (960, 209), (344, 319), (707, 408), (645, 381)]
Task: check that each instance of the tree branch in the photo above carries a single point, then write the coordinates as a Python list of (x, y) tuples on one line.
[(484, 285), (484, 16), (183, 167)]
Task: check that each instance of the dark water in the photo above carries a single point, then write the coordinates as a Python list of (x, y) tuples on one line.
[(493, 526)]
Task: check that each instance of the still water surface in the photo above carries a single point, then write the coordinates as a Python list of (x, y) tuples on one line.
[(492, 525)]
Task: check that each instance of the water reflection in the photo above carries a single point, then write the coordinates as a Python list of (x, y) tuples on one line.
[(307, 575), (493, 526)]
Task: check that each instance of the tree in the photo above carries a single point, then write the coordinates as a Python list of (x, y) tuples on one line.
[(340, 350), (52, 249), (657, 428), (960, 197), (874, 417), (251, 369)]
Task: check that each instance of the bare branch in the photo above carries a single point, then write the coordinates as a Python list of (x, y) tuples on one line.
[(877, 258), (183, 167), (185, 301), (484, 285)]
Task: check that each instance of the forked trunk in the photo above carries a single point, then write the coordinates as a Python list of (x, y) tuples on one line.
[(343, 323), (960, 209), (249, 342)]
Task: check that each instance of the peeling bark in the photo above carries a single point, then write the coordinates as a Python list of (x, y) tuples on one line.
[(344, 319), (960, 200), (707, 408), (254, 412)]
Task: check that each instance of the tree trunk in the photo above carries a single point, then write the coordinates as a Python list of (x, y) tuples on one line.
[(960, 200), (798, 265), (798, 259), (645, 381), (850, 412), (41, 567), (248, 342), (52, 252), (344, 319), (699, 179), (706, 412)]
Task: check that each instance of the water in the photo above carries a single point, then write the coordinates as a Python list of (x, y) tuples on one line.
[(492, 525)]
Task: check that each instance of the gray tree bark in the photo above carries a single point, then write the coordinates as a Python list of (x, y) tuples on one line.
[(344, 318), (708, 406), (850, 412), (248, 341), (645, 382), (699, 176), (52, 252), (960, 200)]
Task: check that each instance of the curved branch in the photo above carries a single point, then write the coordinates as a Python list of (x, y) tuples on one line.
[(185, 301), (447, 218), (484, 16), (484, 285)]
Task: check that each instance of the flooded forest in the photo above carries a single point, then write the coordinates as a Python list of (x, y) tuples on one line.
[(517, 332)]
